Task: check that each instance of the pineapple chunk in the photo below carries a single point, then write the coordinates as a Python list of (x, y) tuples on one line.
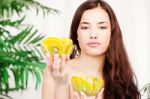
[(89, 85), (58, 46)]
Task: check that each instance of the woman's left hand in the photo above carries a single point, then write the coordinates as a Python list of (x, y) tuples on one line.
[(84, 96)]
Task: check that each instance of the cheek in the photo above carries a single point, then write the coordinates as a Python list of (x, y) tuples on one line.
[(82, 37), (106, 39), (81, 40)]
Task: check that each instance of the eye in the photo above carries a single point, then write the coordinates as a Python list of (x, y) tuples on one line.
[(84, 28), (102, 27)]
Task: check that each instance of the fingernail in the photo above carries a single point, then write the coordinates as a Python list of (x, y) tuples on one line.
[(81, 92), (56, 55), (83, 95), (75, 94), (63, 55), (68, 57)]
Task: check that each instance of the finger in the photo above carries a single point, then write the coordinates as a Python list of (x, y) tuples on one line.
[(76, 95), (56, 65), (63, 62), (64, 67), (100, 94), (48, 61), (82, 96)]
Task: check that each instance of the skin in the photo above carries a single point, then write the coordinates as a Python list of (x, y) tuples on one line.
[(94, 27)]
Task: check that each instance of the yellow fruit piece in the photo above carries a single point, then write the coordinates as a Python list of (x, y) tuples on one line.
[(97, 85), (77, 83), (58, 46), (80, 85), (89, 85), (68, 45)]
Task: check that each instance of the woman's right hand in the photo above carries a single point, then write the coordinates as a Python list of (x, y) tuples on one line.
[(58, 69), (55, 79)]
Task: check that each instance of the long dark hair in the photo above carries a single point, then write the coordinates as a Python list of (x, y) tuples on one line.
[(120, 81)]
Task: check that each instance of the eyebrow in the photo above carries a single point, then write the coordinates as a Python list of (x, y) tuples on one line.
[(97, 22)]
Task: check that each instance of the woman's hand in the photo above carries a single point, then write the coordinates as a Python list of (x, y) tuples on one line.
[(83, 96), (56, 66), (55, 79)]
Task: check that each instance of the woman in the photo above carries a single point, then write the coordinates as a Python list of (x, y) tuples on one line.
[(99, 52)]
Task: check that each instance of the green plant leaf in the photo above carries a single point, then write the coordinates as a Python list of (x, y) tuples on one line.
[(24, 77), (37, 39), (15, 23), (0, 88), (5, 77), (21, 35), (9, 7), (31, 36), (38, 77)]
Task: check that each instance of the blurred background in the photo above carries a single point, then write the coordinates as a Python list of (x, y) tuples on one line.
[(134, 20)]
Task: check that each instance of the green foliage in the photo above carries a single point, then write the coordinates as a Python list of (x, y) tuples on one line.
[(20, 54), (9, 7)]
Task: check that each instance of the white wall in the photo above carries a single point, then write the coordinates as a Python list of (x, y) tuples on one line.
[(133, 17)]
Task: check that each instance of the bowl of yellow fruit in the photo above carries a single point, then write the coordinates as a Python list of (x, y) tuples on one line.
[(60, 46), (88, 85)]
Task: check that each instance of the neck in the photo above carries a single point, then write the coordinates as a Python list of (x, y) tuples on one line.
[(92, 65)]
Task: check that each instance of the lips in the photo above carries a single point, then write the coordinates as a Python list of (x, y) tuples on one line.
[(93, 44)]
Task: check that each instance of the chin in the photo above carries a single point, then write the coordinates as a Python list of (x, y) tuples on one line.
[(95, 53)]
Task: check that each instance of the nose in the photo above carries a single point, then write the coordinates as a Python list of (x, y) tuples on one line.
[(93, 34), (93, 37)]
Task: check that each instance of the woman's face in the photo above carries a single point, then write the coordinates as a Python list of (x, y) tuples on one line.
[(94, 32)]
